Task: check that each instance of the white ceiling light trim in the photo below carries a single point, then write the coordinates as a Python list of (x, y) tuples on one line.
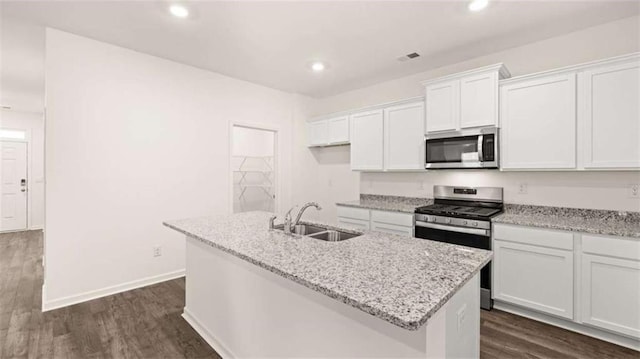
[(477, 5), (179, 11)]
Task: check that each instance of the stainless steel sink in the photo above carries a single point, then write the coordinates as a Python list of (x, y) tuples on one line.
[(333, 236), (317, 232), (303, 229)]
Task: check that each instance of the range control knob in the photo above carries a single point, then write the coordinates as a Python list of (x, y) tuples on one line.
[(464, 223), (474, 223), (448, 220)]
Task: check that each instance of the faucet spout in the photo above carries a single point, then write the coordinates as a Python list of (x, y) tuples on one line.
[(304, 208)]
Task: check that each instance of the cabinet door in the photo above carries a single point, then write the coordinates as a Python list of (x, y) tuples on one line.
[(443, 106), (367, 141), (479, 100), (534, 277), (404, 137), (339, 130), (539, 123), (318, 133), (610, 116), (611, 294)]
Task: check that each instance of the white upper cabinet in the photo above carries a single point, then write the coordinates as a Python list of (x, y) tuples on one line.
[(479, 100), (541, 128), (464, 100), (538, 119), (442, 106), (318, 133), (610, 115), (367, 140), (333, 131), (339, 130), (404, 137)]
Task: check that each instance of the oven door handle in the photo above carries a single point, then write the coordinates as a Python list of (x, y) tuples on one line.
[(480, 144), (478, 231)]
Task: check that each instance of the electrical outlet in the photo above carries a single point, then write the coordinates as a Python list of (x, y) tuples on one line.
[(523, 188), (634, 191), (157, 251)]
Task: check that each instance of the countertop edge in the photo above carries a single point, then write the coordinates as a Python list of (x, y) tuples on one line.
[(503, 219), (379, 208)]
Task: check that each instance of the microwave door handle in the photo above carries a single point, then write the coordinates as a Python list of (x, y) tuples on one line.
[(480, 142)]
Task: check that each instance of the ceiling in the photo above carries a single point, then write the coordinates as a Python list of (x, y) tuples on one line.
[(273, 43)]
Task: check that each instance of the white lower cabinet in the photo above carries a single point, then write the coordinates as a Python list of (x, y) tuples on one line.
[(534, 269), (610, 285), (535, 277), (375, 220)]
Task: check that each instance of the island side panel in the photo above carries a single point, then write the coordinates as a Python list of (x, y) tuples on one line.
[(243, 310)]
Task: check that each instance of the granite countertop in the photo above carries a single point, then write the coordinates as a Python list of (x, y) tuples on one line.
[(388, 203), (397, 278), (612, 223)]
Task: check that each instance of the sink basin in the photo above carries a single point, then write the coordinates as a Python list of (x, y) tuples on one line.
[(317, 232), (303, 229), (333, 236)]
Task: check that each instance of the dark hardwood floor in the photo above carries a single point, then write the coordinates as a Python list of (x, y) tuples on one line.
[(146, 322)]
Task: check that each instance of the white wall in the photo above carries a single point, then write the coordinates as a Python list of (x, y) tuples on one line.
[(334, 181), (33, 124), (133, 140)]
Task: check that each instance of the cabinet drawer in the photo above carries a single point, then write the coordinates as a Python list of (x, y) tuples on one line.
[(353, 223), (392, 229), (534, 236), (355, 213), (396, 218), (534, 277), (611, 246)]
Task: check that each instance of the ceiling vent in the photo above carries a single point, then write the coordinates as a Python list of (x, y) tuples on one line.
[(408, 57)]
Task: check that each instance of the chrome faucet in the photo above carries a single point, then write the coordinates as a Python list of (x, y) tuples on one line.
[(304, 208), (290, 224)]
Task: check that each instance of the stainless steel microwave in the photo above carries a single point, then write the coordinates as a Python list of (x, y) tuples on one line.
[(472, 148)]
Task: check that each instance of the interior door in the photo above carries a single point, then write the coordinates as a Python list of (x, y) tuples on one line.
[(13, 176)]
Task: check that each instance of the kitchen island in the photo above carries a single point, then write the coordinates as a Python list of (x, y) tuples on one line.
[(255, 292)]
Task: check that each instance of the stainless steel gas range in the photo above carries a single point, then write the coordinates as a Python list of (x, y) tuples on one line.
[(462, 215)]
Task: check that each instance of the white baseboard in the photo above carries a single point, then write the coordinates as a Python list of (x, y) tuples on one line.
[(213, 342), (569, 325), (99, 293)]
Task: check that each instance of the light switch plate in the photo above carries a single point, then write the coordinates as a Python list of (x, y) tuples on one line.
[(634, 191)]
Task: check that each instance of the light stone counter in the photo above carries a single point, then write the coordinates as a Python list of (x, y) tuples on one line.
[(396, 278)]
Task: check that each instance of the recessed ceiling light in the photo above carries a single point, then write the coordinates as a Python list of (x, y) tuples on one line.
[(179, 11), (317, 66), (477, 5)]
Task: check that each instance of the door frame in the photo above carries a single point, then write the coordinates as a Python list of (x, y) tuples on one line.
[(276, 159), (27, 141)]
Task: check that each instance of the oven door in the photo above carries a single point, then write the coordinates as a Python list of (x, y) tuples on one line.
[(477, 148), (469, 237)]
